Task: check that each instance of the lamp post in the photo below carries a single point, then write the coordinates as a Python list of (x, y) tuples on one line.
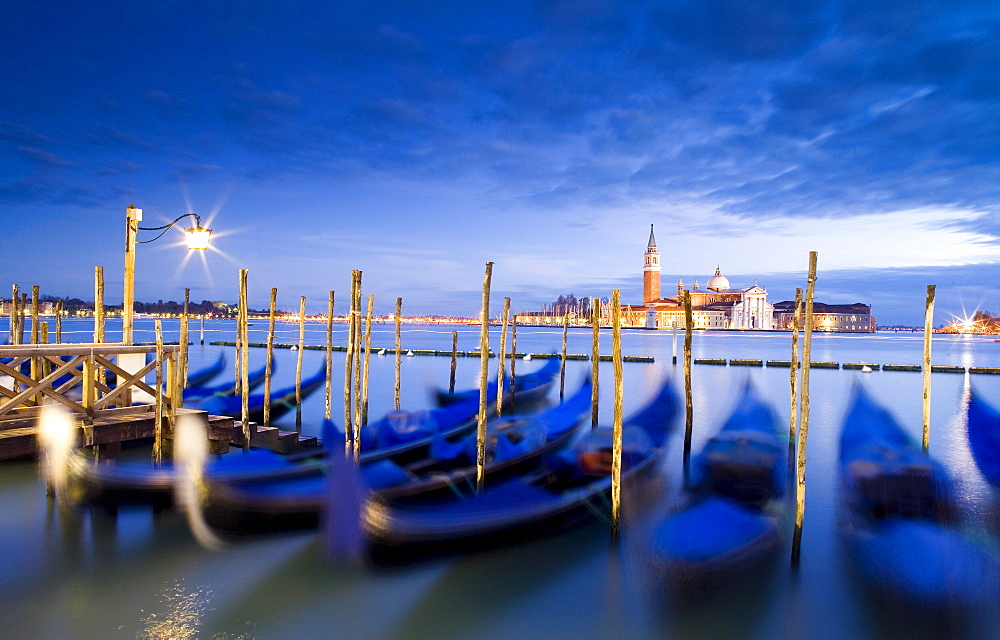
[(197, 238)]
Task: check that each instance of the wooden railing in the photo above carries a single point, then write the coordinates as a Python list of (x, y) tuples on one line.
[(21, 396)]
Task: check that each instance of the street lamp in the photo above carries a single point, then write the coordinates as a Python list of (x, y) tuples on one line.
[(197, 238)]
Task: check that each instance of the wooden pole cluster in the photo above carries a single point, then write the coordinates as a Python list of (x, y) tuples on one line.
[(502, 365), (352, 441), (595, 357), (298, 363), (269, 364), (399, 356), (484, 354), (800, 479), (616, 446), (928, 334), (329, 354)]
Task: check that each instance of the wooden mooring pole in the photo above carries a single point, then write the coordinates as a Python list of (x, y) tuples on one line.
[(269, 363), (358, 337), (595, 357), (59, 317), (348, 369), (368, 355), (688, 399), (502, 365), (12, 332), (183, 363), (928, 335), (399, 357), (794, 375), (484, 355), (800, 479), (454, 360), (329, 355), (513, 360), (242, 364), (562, 362), (298, 363), (158, 399), (616, 443)]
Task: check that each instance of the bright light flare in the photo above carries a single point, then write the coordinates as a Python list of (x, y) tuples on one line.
[(57, 437), (197, 238)]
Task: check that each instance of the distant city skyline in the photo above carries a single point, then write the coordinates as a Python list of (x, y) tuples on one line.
[(416, 143)]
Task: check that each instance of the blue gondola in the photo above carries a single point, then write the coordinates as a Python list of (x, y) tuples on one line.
[(899, 519), (731, 511)]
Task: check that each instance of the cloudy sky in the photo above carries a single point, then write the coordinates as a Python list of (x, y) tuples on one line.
[(418, 140)]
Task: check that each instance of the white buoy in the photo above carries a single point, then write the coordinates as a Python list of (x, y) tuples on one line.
[(190, 454), (295, 347), (381, 352), (866, 369), (527, 358), (409, 354)]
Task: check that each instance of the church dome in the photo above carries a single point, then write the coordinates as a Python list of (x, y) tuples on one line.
[(718, 282)]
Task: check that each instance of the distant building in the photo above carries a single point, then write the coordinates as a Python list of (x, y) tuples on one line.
[(840, 318), (717, 306)]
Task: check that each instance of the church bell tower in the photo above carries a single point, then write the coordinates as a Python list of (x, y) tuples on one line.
[(651, 271)]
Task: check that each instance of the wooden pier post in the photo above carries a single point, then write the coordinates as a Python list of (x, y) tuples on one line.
[(616, 446), (454, 360), (800, 479), (298, 363), (399, 356), (484, 355), (44, 336), (595, 357), (928, 335), (158, 399), (13, 332), (368, 355), (688, 399), (59, 315), (269, 363), (502, 365), (794, 375), (22, 312), (99, 304), (100, 375), (36, 362), (329, 355)]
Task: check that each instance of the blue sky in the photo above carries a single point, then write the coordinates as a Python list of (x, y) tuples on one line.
[(418, 140)]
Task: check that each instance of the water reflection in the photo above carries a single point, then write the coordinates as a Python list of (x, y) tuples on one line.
[(180, 613)]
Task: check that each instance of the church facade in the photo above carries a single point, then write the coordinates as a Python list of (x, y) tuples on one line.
[(717, 306)]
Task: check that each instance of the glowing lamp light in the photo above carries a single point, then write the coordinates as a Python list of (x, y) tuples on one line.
[(198, 237)]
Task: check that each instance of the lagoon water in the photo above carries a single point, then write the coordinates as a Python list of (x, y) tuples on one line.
[(74, 573)]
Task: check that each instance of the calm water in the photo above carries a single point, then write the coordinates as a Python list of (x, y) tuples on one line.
[(70, 573)]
